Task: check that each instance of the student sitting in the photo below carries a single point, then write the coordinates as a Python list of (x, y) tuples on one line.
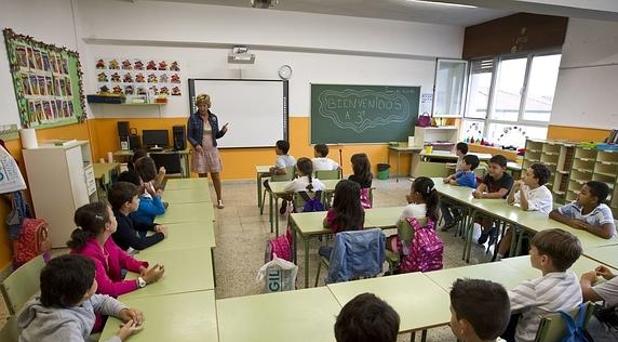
[(465, 176), (282, 163), (480, 310), (97, 223), (496, 184), (461, 150), (150, 194), (149, 206), (589, 212), (362, 175), (130, 233), (305, 181), (603, 325), (422, 200), (66, 308), (367, 318), (346, 212), (552, 251), (321, 162), (530, 193)]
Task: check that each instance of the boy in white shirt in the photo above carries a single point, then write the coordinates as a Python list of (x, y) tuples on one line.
[(552, 251), (284, 160), (321, 162), (530, 193)]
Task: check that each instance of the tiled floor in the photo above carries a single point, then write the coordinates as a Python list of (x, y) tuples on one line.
[(241, 235)]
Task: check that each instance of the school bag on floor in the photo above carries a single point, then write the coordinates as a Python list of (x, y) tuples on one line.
[(281, 246), (32, 242), (278, 275), (424, 252)]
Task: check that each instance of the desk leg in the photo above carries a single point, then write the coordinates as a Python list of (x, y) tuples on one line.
[(398, 165), (259, 189), (520, 237), (214, 272), (186, 171), (306, 243), (469, 234), (514, 238), (270, 210), (294, 244), (276, 214), (424, 335)]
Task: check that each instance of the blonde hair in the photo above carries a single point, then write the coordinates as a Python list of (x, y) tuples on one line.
[(202, 98)]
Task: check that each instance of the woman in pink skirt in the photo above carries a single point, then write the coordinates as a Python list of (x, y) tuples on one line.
[(203, 132)]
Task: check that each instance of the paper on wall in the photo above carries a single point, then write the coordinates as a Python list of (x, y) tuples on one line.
[(11, 179)]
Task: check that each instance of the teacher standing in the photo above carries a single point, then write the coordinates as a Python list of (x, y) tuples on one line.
[(203, 132)]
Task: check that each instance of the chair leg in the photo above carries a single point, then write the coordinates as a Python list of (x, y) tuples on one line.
[(413, 336), (317, 276), (263, 202)]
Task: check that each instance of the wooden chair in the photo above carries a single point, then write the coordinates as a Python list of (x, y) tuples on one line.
[(9, 332), (553, 328), (22, 284)]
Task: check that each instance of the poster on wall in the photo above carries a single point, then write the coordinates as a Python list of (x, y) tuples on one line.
[(138, 76), (47, 81)]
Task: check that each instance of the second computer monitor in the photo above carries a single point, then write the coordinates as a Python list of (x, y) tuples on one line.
[(155, 138)]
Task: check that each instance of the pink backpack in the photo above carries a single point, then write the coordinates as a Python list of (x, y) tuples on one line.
[(365, 198), (280, 246), (33, 241), (425, 250)]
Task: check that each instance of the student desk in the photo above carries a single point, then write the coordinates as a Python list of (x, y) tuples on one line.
[(522, 265), (186, 270), (261, 171), (607, 255), (194, 195), (187, 235), (186, 183), (187, 212), (499, 272), (185, 170), (301, 315), (399, 150), (186, 317), (533, 221), (277, 191), (420, 303), (307, 225)]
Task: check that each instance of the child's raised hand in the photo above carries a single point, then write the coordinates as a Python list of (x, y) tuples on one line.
[(604, 272), (128, 329), (150, 188), (162, 170)]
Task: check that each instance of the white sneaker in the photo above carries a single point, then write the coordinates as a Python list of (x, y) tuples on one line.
[(220, 204)]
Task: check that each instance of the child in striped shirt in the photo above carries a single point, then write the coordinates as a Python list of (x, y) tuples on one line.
[(552, 251)]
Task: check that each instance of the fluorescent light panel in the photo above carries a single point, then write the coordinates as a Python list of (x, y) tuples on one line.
[(441, 3)]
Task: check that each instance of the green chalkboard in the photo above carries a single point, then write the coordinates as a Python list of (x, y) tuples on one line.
[(362, 113)]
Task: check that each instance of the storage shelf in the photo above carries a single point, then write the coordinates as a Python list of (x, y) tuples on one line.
[(563, 172), (607, 174), (585, 159), (582, 170)]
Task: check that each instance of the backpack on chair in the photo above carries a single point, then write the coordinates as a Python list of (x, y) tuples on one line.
[(33, 241), (424, 253), (312, 204)]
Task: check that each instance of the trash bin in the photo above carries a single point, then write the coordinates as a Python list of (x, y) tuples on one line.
[(383, 171)]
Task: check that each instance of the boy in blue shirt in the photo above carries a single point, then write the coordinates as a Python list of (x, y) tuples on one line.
[(463, 177)]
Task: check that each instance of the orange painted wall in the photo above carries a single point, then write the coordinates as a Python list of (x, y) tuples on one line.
[(76, 131), (240, 163), (576, 133)]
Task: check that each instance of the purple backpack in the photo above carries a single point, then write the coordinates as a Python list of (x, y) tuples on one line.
[(424, 252)]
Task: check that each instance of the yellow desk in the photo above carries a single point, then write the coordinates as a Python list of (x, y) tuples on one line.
[(607, 255), (183, 154), (302, 315), (186, 270), (186, 183), (183, 317), (261, 171), (420, 303), (307, 225), (194, 195), (522, 265), (187, 212), (498, 272), (187, 235), (413, 150)]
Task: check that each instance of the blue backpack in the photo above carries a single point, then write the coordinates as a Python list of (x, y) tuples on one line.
[(312, 204), (576, 332)]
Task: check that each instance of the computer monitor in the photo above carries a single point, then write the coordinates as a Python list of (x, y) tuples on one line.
[(155, 138)]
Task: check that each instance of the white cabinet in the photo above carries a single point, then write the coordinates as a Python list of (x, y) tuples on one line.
[(441, 137), (60, 179)]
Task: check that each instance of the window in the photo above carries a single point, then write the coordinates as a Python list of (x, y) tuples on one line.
[(517, 93)]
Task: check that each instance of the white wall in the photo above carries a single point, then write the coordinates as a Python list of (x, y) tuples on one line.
[(587, 89), (50, 21), (195, 35)]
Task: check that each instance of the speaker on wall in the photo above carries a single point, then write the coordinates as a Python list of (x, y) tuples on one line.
[(123, 128), (179, 134), (135, 142)]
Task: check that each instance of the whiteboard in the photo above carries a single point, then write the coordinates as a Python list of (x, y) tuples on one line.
[(257, 110)]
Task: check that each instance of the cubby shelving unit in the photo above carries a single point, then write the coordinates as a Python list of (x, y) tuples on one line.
[(558, 157)]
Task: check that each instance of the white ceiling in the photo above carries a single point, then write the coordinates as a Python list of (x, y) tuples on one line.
[(384, 9)]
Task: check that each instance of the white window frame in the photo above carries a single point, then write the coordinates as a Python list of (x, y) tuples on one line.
[(492, 91)]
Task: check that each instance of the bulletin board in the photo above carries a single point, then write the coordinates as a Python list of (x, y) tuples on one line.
[(47, 82)]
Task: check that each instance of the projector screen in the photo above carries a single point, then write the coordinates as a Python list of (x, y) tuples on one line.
[(257, 110)]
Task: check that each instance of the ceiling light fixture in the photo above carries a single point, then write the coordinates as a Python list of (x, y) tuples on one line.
[(427, 2)]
